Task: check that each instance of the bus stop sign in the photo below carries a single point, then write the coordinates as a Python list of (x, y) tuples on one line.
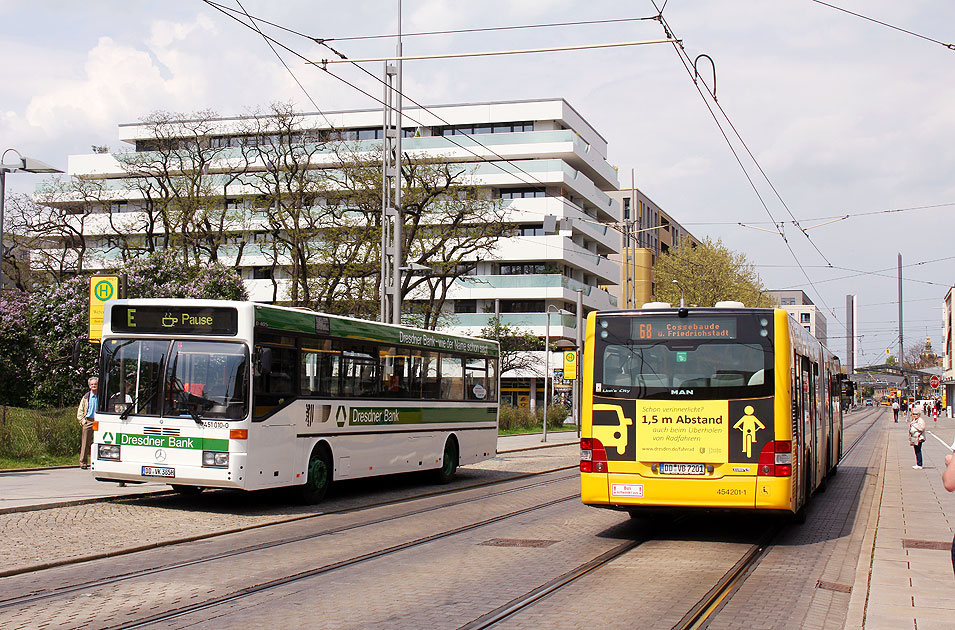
[(102, 289), (934, 382)]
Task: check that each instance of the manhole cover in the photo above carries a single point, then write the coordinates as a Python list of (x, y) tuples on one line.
[(517, 542), (833, 586)]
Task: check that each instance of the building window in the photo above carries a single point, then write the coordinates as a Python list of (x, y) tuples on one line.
[(465, 306), (457, 130), (261, 273), (522, 306), (521, 193), (804, 318), (531, 230), (118, 206), (522, 269)]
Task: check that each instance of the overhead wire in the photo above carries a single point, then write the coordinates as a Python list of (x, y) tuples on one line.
[(886, 24), (685, 60), (319, 40), (533, 180)]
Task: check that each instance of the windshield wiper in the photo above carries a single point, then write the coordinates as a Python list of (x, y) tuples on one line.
[(184, 397), (129, 408)]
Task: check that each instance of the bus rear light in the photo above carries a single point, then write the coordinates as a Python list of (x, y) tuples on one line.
[(593, 456), (238, 434), (776, 459)]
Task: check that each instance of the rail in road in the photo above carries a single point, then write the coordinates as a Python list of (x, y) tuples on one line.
[(412, 531)]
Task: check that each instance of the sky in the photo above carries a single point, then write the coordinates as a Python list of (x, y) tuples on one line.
[(843, 115)]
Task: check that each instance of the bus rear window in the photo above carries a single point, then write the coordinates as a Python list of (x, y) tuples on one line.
[(664, 357)]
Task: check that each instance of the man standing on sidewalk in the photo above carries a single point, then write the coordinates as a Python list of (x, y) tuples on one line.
[(895, 409), (84, 415)]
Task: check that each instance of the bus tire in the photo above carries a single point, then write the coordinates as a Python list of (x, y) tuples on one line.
[(187, 491), (449, 462), (318, 476)]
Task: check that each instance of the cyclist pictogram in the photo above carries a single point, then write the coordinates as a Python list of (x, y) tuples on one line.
[(749, 425)]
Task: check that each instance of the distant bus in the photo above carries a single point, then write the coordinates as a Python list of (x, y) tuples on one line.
[(217, 394), (729, 408)]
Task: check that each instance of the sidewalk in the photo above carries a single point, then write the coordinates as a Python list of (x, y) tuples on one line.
[(52, 487), (905, 577)]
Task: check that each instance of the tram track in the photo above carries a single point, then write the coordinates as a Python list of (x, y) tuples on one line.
[(283, 521), (89, 588), (697, 616)]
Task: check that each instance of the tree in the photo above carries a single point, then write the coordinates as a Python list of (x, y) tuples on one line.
[(449, 223), (708, 273), (517, 346), (56, 315), (179, 177)]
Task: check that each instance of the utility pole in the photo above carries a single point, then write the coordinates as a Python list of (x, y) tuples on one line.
[(900, 314), (391, 254)]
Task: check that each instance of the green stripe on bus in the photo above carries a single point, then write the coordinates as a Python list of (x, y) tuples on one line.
[(279, 320), (364, 416), (168, 441)]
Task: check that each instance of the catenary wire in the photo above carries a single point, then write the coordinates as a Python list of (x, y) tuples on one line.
[(886, 24), (319, 40), (684, 59)]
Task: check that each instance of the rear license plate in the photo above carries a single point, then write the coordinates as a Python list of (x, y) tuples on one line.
[(682, 469), (155, 471)]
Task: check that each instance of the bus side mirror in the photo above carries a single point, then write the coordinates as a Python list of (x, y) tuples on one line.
[(263, 361), (77, 345)]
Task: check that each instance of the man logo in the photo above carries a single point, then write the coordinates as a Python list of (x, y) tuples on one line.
[(681, 392)]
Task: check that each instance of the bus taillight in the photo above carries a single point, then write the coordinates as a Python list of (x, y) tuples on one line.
[(593, 457), (776, 459)]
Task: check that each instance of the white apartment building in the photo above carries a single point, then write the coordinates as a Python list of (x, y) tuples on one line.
[(801, 308), (540, 157)]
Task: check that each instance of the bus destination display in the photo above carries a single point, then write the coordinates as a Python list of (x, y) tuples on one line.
[(175, 320), (664, 328)]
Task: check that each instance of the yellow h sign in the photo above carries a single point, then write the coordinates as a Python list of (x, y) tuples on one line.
[(102, 289), (570, 365)]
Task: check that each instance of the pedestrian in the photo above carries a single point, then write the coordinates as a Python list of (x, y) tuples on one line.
[(895, 410), (84, 415), (917, 436), (948, 480), (905, 406)]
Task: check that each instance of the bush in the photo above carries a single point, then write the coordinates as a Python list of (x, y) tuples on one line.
[(521, 418), (30, 433)]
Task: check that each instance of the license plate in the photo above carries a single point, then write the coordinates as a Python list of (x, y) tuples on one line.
[(682, 469), (155, 471)]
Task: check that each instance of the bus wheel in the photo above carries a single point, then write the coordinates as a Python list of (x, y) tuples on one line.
[(449, 462), (187, 491), (319, 477)]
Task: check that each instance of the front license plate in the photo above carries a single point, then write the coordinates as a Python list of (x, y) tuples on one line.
[(155, 471), (682, 469)]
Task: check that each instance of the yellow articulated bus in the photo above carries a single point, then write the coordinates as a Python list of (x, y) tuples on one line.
[(715, 408)]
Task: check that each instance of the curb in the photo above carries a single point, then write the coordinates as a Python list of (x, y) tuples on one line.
[(859, 600)]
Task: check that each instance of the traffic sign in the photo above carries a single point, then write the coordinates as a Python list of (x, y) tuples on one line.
[(102, 289), (935, 382)]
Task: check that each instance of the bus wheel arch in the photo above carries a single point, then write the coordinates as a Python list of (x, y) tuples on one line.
[(450, 457), (319, 474)]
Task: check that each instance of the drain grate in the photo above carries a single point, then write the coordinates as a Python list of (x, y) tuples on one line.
[(833, 586), (517, 542), (938, 545)]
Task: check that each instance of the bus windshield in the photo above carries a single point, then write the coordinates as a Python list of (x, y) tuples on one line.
[(705, 357), (199, 379)]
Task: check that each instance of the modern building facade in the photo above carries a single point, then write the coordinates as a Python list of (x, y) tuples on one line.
[(541, 158), (801, 308), (646, 231)]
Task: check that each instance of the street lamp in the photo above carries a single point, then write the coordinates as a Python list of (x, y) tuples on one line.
[(681, 292), (27, 165), (547, 362)]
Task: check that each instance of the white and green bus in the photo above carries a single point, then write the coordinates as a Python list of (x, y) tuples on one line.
[(219, 394)]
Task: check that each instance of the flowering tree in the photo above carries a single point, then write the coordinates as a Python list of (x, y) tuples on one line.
[(38, 329)]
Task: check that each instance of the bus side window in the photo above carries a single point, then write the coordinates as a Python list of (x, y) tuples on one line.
[(275, 388), (430, 382), (452, 378)]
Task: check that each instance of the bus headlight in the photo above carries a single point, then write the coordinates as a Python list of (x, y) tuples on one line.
[(215, 459), (108, 451)]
